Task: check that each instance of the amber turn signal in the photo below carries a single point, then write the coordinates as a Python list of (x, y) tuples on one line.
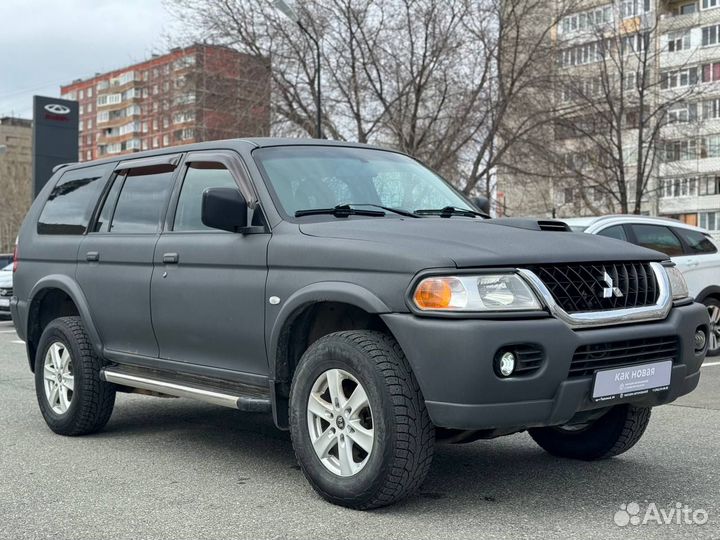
[(435, 293)]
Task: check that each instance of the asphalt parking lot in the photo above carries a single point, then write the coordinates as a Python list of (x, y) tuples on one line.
[(175, 468)]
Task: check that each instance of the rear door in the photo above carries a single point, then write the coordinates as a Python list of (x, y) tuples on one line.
[(208, 288), (701, 262), (115, 260)]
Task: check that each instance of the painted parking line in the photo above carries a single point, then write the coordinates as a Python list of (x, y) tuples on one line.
[(7, 331), (711, 364), (18, 341)]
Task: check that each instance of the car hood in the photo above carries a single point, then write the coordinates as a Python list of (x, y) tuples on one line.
[(474, 242)]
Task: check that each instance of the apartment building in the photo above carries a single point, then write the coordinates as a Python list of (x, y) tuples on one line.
[(199, 93), (683, 180), (15, 177)]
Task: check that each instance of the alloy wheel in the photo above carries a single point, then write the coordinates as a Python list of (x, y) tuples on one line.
[(58, 378), (714, 337), (340, 422)]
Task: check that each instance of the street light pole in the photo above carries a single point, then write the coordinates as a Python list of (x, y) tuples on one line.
[(289, 12)]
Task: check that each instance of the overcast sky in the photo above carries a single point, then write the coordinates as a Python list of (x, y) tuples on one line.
[(46, 43)]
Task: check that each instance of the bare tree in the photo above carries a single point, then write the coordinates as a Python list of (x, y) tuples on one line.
[(438, 80)]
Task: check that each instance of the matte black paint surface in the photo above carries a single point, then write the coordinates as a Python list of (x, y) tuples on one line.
[(208, 313)]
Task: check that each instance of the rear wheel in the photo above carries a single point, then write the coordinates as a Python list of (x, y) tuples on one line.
[(615, 432), (713, 305), (72, 398), (358, 421)]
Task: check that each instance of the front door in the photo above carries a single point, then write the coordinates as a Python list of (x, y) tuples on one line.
[(208, 288)]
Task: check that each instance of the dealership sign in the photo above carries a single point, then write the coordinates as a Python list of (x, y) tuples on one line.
[(55, 136)]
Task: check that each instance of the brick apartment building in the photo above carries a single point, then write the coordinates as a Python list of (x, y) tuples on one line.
[(199, 93)]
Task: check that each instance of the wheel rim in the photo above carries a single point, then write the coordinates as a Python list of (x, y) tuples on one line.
[(58, 378), (714, 337), (340, 422)]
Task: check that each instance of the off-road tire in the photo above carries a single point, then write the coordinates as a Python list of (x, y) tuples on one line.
[(92, 399), (403, 447), (610, 435)]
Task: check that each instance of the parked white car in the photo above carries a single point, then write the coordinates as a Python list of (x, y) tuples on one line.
[(692, 249), (6, 289)]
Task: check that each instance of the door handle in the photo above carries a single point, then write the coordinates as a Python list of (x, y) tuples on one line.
[(170, 258), (92, 256)]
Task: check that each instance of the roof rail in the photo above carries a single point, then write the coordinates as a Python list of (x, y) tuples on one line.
[(56, 168)]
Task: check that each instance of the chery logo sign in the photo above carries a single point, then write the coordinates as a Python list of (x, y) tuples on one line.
[(56, 108)]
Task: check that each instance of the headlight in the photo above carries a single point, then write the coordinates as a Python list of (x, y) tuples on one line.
[(678, 285), (489, 292)]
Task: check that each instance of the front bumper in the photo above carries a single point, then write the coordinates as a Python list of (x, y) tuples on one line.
[(453, 362)]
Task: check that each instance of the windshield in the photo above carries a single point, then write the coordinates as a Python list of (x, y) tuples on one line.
[(313, 177)]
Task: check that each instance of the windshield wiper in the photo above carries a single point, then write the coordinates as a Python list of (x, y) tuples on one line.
[(399, 211), (450, 211), (341, 211)]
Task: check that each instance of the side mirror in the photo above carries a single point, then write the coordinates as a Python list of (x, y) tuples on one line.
[(482, 204), (224, 209)]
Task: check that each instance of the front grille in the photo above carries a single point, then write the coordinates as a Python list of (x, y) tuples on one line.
[(6, 292), (586, 287), (589, 358)]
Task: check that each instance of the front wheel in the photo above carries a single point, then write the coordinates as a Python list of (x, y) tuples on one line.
[(615, 432), (358, 421), (713, 306)]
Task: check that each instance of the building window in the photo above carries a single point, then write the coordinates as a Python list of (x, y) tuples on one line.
[(678, 187), (635, 43), (710, 220), (145, 144), (680, 150), (711, 72), (103, 116), (88, 155), (82, 94), (710, 4), (166, 122), (155, 124), (81, 125), (568, 195), (587, 53), (102, 85), (633, 8), (709, 185), (155, 89), (710, 35), (678, 41), (156, 142), (166, 140), (580, 22), (679, 78), (682, 113), (90, 92), (109, 99)]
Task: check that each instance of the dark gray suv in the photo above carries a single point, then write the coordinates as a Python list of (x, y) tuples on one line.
[(354, 294)]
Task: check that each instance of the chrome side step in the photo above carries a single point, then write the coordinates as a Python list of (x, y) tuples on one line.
[(174, 388)]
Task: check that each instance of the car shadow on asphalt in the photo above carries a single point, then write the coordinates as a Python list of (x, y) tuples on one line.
[(462, 477)]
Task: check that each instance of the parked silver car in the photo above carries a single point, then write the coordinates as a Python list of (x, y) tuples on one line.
[(691, 248), (6, 290)]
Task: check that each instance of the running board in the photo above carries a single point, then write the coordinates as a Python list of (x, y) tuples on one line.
[(181, 388)]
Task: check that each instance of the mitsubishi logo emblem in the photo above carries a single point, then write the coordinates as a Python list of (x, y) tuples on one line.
[(610, 290)]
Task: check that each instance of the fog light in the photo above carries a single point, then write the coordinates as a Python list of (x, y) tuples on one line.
[(700, 339), (506, 364)]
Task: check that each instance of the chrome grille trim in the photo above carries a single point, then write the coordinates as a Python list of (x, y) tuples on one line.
[(609, 317)]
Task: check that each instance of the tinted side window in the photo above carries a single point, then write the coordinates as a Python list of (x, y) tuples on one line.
[(198, 178), (696, 241), (70, 203), (659, 238), (141, 202), (616, 231)]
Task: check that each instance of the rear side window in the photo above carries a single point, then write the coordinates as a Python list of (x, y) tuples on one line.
[(659, 238), (616, 231), (141, 202), (696, 241), (71, 202), (199, 177)]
